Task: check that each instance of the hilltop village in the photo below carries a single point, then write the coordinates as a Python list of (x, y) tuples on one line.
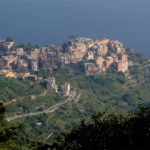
[(97, 56)]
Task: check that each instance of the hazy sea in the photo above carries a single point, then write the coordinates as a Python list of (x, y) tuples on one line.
[(52, 21)]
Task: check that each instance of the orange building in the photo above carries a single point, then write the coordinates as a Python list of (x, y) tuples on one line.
[(35, 53), (122, 66)]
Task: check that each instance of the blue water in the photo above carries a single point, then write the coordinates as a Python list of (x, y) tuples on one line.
[(52, 21)]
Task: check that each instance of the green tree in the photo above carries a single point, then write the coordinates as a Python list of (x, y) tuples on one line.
[(109, 131), (2, 111)]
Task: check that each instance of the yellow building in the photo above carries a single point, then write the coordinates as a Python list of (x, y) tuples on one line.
[(110, 60), (10, 75), (103, 41)]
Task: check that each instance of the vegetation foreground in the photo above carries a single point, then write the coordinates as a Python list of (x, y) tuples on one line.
[(108, 131)]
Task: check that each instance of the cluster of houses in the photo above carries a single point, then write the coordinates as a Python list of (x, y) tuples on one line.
[(96, 55), (20, 63)]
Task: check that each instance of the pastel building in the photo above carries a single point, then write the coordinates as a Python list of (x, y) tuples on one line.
[(123, 57), (90, 55), (65, 87), (51, 84), (122, 66), (99, 62), (19, 51), (90, 68)]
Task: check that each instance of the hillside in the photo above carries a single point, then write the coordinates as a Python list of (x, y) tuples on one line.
[(107, 92), (101, 76), (11, 88), (107, 131)]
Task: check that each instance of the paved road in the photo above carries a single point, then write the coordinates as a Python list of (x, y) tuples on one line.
[(75, 97), (46, 111)]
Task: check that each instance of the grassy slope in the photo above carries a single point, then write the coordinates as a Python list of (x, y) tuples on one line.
[(104, 93), (12, 88)]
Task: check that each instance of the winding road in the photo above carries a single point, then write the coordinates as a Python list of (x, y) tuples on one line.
[(74, 98), (46, 111)]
